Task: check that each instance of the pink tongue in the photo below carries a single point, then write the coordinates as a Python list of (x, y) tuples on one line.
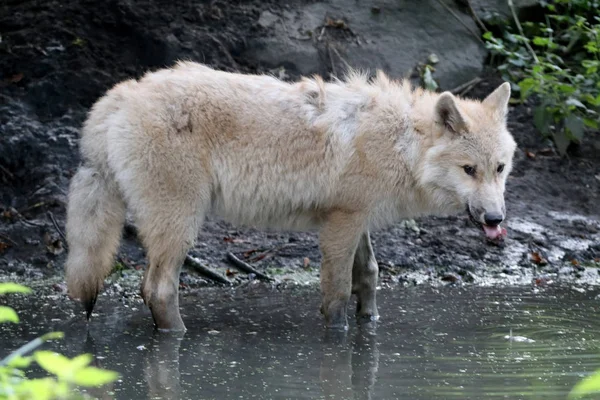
[(494, 232)]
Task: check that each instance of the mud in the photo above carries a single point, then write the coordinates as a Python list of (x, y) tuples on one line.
[(56, 58)]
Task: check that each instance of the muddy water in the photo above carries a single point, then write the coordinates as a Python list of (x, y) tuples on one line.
[(430, 344)]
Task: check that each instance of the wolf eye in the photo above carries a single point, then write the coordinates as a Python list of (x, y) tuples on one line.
[(469, 170), (500, 168)]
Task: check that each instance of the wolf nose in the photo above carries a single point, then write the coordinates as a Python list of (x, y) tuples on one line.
[(493, 218)]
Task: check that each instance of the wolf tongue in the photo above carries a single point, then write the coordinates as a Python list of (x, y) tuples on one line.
[(493, 232)]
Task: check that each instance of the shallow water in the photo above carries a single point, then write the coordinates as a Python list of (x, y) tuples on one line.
[(430, 344)]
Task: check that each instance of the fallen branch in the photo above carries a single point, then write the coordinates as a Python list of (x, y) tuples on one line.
[(466, 87), (131, 229), (205, 271), (247, 268)]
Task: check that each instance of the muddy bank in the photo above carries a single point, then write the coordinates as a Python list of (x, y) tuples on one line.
[(56, 58)]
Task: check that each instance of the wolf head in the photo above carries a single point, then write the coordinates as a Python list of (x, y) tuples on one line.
[(469, 156)]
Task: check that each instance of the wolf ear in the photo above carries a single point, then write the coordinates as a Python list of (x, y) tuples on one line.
[(498, 99), (448, 114)]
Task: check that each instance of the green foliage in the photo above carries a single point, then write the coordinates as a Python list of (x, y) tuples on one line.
[(9, 287), (585, 387), (558, 62), (65, 373), (426, 73), (428, 82)]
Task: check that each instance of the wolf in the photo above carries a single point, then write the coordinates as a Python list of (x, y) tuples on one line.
[(343, 157)]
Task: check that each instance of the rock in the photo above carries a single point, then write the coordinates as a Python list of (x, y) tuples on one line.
[(396, 39), (267, 19), (485, 9)]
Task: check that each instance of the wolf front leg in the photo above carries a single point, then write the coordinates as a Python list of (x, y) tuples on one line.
[(339, 239), (365, 272)]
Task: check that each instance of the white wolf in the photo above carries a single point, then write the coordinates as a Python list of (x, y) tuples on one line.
[(344, 157)]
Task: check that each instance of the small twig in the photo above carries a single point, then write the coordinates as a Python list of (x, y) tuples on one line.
[(467, 86), (266, 252), (6, 237), (337, 53), (207, 272), (475, 17), (224, 50), (451, 11), (60, 232), (520, 28), (7, 172), (331, 60), (31, 223), (36, 205), (322, 33), (247, 268)]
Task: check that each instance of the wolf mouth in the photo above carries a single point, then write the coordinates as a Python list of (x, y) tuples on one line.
[(493, 233)]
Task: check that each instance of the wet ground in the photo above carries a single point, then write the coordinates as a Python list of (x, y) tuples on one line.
[(58, 57), (256, 342)]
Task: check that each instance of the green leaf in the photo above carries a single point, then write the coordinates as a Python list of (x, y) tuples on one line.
[(81, 361), (20, 362), (7, 314), (94, 377), (488, 35), (9, 287), (52, 362), (542, 119), (38, 389), (586, 386), (428, 81), (541, 41), (52, 336), (517, 62), (527, 85), (575, 126), (591, 123), (566, 89), (561, 141), (574, 102)]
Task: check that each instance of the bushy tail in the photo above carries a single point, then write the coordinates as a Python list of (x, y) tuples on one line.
[(95, 219)]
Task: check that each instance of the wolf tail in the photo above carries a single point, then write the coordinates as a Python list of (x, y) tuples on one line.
[(95, 219)]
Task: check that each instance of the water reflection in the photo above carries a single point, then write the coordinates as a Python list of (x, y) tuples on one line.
[(348, 367), (430, 344), (161, 366), (349, 370)]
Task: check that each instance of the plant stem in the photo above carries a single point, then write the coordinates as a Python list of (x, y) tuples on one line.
[(35, 343), (520, 28)]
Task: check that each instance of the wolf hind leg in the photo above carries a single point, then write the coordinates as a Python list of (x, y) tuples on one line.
[(365, 272), (167, 234)]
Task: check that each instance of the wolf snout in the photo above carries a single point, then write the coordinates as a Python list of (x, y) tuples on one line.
[(493, 218)]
